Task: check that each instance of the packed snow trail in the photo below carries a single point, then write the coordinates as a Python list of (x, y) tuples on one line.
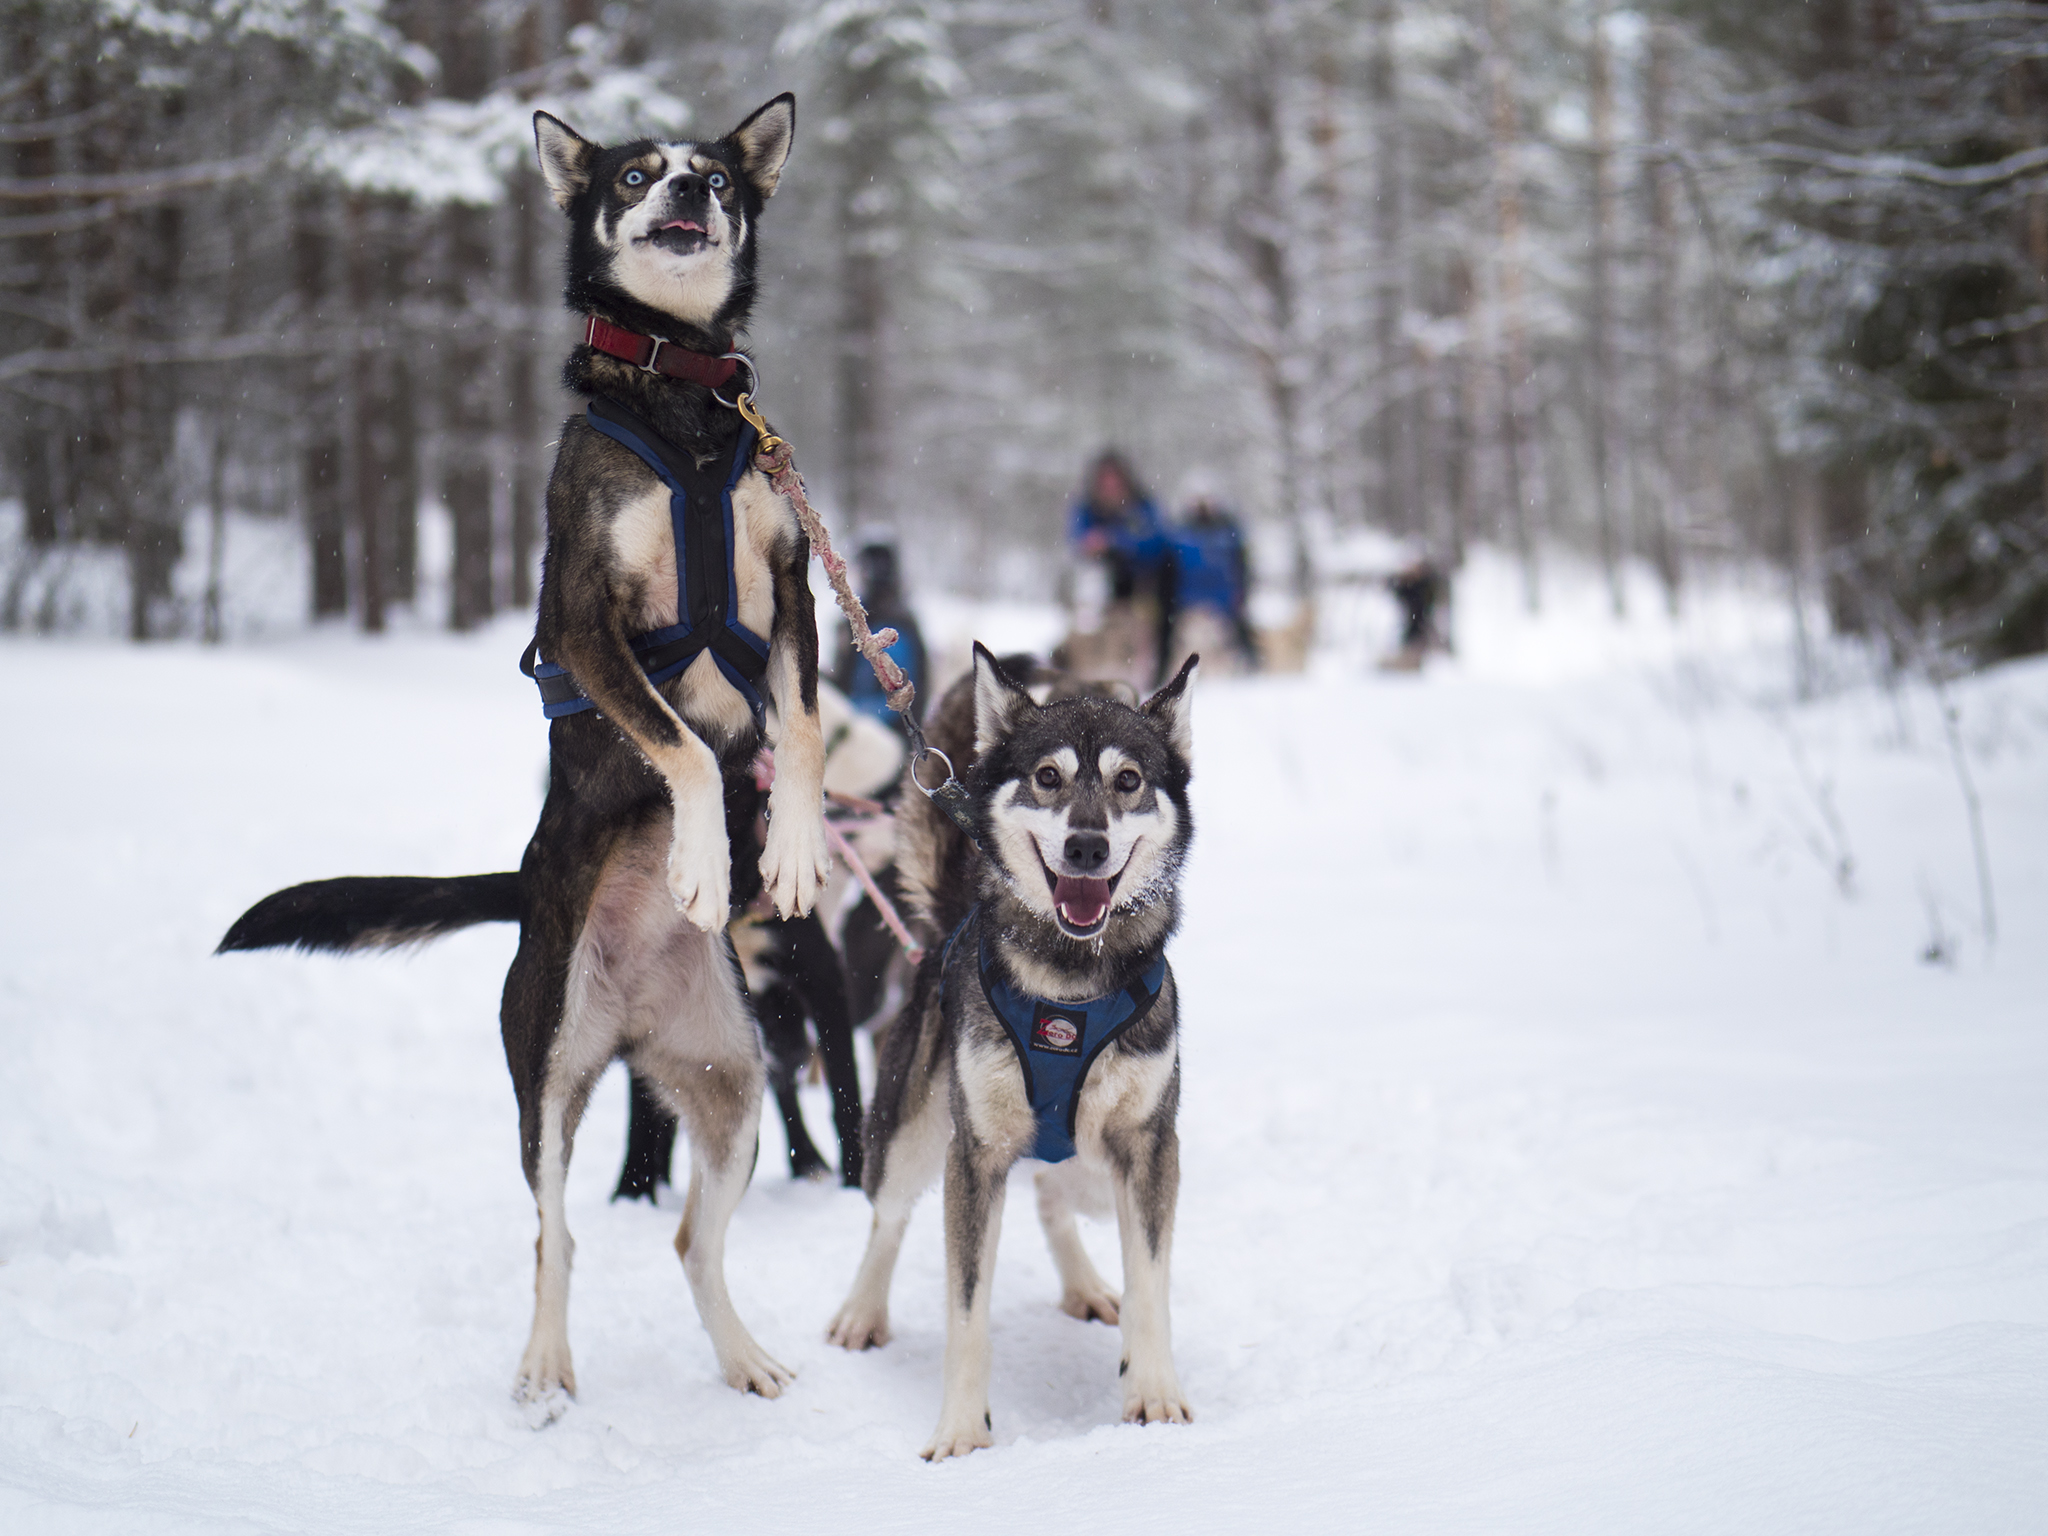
[(1572, 1140)]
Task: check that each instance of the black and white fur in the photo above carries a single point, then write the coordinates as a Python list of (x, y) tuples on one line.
[(623, 895), (1083, 788)]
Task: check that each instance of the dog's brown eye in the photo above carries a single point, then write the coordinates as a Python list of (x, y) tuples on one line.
[(1048, 777), (1128, 781)]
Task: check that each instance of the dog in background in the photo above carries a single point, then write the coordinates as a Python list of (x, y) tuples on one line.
[(624, 892), (1045, 1025)]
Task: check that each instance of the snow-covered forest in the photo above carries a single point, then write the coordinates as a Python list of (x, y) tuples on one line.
[(1707, 282), (1611, 1028)]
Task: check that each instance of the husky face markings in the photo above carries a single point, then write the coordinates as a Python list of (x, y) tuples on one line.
[(1082, 826), (668, 224), (1088, 819)]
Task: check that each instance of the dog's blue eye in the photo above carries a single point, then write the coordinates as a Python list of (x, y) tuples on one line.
[(717, 180), (634, 178), (1048, 777)]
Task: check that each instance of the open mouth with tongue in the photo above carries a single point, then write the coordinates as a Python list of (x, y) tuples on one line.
[(683, 237), (1081, 905)]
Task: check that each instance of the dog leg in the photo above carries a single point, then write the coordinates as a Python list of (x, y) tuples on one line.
[(909, 1162), (716, 1184), (975, 1186), (1146, 1189), (699, 858), (796, 862), (821, 981), (547, 1377), (1063, 1189), (781, 1016)]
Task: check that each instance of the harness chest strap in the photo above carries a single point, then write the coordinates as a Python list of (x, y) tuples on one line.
[(1057, 1042), (707, 584)]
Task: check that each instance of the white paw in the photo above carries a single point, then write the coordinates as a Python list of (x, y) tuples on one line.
[(796, 863), (860, 1326), (546, 1383), (951, 1439), (700, 880), (1155, 1397), (540, 1411), (747, 1367), (1095, 1304)]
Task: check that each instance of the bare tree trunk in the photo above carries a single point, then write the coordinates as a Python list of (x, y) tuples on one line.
[(863, 323), (466, 421), (1514, 360), (1600, 411), (1261, 232), (1390, 264), (529, 484), (210, 629), (1663, 510), (365, 379)]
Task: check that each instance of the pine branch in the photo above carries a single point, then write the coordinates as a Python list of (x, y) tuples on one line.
[(1991, 173)]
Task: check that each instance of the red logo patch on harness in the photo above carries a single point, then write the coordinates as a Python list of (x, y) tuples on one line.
[(1056, 1033)]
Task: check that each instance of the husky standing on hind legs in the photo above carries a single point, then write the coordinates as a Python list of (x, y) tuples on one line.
[(676, 587), (1046, 1026)]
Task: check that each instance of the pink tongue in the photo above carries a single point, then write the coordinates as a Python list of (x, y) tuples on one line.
[(1081, 902), (684, 224)]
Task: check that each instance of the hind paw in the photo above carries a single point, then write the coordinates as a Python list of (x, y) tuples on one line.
[(747, 1367), (859, 1327), (958, 1439), (1098, 1304), (1157, 1400), (545, 1386)]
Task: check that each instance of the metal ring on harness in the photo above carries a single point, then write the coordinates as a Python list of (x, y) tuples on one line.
[(753, 380), (924, 751)]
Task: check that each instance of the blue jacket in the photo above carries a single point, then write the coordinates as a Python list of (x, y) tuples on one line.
[(1209, 565), (1139, 534)]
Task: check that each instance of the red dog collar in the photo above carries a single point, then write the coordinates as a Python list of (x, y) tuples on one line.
[(658, 356)]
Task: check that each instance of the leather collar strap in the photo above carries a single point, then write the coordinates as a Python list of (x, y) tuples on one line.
[(658, 356)]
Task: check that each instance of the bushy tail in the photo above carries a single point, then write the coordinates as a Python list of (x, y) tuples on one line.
[(373, 912)]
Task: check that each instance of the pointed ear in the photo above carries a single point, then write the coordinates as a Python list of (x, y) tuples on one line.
[(1172, 710), (764, 141), (565, 157), (998, 702)]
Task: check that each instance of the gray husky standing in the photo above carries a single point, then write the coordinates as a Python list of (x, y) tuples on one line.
[(1045, 1025)]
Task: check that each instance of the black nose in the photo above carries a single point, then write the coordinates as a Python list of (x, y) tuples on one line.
[(1087, 850)]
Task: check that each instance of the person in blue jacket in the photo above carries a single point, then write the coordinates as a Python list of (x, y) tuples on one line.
[(879, 581), (1210, 567), (1116, 522)]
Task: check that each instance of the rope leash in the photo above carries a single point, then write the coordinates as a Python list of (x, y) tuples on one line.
[(775, 458)]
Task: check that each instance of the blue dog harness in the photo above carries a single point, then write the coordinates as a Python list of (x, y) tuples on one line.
[(707, 588), (1057, 1043)]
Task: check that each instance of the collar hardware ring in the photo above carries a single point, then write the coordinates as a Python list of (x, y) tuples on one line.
[(931, 751)]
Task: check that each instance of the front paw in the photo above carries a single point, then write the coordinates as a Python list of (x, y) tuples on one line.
[(1155, 1397), (951, 1439), (700, 880), (796, 863)]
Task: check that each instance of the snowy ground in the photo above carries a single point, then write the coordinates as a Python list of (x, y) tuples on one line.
[(1575, 1138)]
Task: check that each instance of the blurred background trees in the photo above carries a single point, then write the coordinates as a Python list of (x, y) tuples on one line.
[(1700, 282)]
